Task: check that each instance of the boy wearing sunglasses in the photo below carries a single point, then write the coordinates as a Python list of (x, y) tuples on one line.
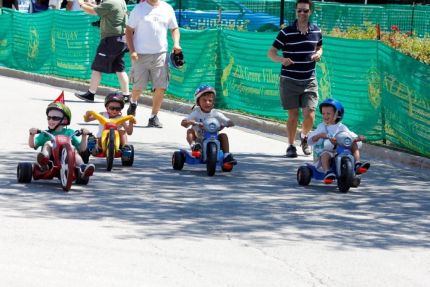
[(301, 47), (114, 103), (59, 116)]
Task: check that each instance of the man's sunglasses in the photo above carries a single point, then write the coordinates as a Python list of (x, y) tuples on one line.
[(303, 10), (54, 118), (115, 108)]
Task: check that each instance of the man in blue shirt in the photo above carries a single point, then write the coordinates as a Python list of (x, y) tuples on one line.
[(301, 46)]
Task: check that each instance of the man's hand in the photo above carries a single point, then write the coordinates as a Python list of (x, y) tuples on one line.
[(287, 61), (134, 56)]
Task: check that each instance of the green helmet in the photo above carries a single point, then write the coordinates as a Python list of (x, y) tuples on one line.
[(62, 108)]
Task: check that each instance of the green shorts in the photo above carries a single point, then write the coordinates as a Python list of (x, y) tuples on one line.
[(298, 94)]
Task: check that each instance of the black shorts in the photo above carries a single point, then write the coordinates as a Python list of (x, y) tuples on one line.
[(110, 54)]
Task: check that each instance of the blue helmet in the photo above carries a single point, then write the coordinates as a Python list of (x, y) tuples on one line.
[(176, 59), (202, 89), (338, 108)]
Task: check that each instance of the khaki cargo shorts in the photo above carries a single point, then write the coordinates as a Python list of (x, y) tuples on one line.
[(150, 68)]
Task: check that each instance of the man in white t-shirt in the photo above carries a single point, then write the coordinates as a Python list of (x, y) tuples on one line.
[(146, 35)]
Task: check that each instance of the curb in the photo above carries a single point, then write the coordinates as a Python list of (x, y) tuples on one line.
[(392, 157)]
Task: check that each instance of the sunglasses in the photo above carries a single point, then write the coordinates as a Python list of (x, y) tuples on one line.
[(115, 108), (54, 118), (303, 10)]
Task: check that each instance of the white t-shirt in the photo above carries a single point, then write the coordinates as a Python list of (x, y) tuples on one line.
[(101, 127), (199, 116), (331, 130), (150, 26)]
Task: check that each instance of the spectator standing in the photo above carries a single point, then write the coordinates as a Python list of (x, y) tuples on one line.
[(147, 41), (10, 4), (110, 52), (301, 46)]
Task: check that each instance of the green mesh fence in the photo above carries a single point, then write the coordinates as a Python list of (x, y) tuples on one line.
[(385, 93), (260, 14)]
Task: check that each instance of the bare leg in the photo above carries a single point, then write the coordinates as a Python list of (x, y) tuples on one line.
[(135, 95), (325, 161), (355, 152), (191, 136), (308, 120), (123, 138), (95, 81), (223, 138), (293, 116), (157, 99), (123, 81)]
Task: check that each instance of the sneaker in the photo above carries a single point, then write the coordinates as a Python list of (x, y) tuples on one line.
[(228, 158), (196, 147), (126, 98), (88, 96), (291, 151), (361, 168), (329, 177), (91, 143), (43, 161), (87, 170), (305, 147), (132, 109), (154, 122)]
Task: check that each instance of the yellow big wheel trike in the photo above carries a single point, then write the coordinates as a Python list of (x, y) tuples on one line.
[(110, 141)]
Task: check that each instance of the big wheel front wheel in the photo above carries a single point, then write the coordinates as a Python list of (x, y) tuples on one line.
[(344, 180), (110, 151), (67, 170), (211, 158)]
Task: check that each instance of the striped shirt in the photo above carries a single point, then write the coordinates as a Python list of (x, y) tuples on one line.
[(299, 48)]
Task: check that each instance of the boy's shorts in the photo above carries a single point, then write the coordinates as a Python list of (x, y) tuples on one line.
[(150, 68), (109, 55), (298, 94)]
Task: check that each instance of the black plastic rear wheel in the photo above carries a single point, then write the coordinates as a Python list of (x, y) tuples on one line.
[(24, 172), (304, 175)]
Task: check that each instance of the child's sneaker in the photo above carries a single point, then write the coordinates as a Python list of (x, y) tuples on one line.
[(91, 143), (329, 177), (361, 168), (196, 150), (196, 147), (87, 170), (43, 161), (228, 158)]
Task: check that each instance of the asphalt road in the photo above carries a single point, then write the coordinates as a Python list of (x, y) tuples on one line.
[(149, 225)]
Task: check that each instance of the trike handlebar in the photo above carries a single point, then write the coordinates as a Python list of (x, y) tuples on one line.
[(117, 121)]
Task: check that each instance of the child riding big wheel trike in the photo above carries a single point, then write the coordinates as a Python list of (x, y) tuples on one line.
[(342, 165), (211, 153), (110, 142), (62, 163)]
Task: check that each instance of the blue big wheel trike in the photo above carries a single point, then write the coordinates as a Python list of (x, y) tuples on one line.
[(342, 165), (210, 154)]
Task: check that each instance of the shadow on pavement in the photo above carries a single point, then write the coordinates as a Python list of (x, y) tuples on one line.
[(259, 200)]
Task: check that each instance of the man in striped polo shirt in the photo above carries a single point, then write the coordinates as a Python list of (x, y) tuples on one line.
[(301, 46)]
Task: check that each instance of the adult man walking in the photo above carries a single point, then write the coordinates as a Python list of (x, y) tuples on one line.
[(301, 46), (147, 41), (112, 46)]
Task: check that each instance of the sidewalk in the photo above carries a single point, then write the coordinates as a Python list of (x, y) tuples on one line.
[(419, 165)]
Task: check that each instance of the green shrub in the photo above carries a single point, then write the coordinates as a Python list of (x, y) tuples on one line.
[(405, 42)]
